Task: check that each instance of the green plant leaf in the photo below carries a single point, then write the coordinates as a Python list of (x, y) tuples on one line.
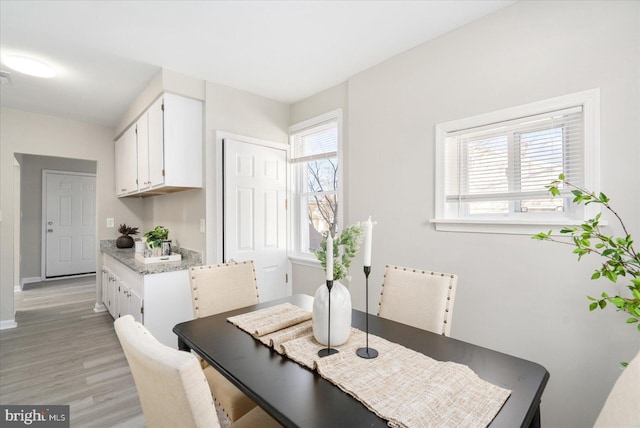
[(593, 306), (595, 275)]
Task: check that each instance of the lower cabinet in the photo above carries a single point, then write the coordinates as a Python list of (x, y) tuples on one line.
[(159, 301)]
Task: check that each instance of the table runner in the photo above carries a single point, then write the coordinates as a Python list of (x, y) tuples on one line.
[(405, 387)]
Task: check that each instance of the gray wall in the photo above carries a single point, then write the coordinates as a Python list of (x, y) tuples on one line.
[(515, 295), (31, 167)]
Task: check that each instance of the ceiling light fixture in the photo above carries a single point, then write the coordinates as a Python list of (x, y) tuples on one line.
[(30, 66), (5, 78)]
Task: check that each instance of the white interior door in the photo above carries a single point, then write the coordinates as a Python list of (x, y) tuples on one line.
[(255, 224), (70, 223)]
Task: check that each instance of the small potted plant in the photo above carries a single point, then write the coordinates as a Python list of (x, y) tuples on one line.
[(156, 236), (125, 240)]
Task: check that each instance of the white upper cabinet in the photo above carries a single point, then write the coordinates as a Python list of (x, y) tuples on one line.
[(168, 147), (142, 134), (155, 114), (126, 163)]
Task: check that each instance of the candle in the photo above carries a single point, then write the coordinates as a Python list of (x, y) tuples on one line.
[(367, 242), (329, 257)]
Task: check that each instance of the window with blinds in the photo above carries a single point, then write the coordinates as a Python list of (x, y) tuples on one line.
[(499, 169), (316, 180), (502, 168)]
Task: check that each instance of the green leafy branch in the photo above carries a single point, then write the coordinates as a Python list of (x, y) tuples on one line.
[(621, 259), (349, 240)]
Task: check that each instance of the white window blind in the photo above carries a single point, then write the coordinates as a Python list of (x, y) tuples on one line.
[(317, 142), (514, 160), (492, 169)]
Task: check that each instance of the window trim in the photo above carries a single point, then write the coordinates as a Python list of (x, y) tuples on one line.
[(295, 253), (590, 102)]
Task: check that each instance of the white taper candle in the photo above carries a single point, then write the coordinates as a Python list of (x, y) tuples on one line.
[(329, 257), (367, 242)]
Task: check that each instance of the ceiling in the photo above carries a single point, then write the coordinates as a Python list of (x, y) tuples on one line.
[(106, 52)]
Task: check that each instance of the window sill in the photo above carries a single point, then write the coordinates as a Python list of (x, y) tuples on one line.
[(501, 226), (305, 261)]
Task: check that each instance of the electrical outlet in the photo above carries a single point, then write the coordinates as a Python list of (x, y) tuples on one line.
[(110, 222)]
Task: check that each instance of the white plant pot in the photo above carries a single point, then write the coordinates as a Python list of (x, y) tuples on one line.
[(340, 314)]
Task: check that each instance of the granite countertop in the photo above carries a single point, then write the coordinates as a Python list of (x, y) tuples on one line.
[(126, 256)]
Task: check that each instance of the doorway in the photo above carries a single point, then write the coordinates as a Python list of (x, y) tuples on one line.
[(31, 209), (68, 223), (255, 212)]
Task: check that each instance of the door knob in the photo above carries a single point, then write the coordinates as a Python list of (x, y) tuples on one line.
[(50, 223)]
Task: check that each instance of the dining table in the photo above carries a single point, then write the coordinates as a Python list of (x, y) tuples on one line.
[(296, 396)]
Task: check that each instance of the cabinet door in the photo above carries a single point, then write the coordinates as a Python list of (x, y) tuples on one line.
[(123, 298), (113, 296), (135, 306), (105, 286), (142, 126), (182, 141), (155, 116), (126, 167)]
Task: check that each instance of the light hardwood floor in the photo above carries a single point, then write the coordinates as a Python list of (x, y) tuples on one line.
[(62, 352)]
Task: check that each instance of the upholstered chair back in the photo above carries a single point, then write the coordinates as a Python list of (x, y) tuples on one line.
[(222, 288), (418, 298), (172, 388), (622, 407)]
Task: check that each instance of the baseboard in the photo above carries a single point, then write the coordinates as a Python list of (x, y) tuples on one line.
[(8, 324), (99, 308), (23, 281)]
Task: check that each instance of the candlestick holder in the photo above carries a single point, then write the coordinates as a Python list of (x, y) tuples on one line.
[(328, 350), (367, 353)]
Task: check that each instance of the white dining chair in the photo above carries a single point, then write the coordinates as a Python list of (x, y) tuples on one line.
[(171, 385), (418, 298), (622, 407), (216, 289)]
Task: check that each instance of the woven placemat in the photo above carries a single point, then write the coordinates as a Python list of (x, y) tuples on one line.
[(267, 320), (276, 339), (409, 389), (403, 386)]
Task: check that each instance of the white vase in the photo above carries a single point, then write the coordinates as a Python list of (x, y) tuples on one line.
[(340, 314)]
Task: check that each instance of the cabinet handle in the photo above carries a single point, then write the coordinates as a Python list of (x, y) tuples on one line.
[(123, 190)]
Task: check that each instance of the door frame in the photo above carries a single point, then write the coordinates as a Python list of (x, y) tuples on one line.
[(43, 232), (215, 194)]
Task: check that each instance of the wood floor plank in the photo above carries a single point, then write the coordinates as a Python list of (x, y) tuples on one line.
[(64, 353)]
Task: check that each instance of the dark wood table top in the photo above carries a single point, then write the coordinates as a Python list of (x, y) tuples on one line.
[(298, 397)]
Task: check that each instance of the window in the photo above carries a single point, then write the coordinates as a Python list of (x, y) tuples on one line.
[(315, 157), (492, 169)]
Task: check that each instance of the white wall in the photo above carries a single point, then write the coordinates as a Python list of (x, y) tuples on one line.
[(35, 134), (240, 113), (515, 295), (225, 109)]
